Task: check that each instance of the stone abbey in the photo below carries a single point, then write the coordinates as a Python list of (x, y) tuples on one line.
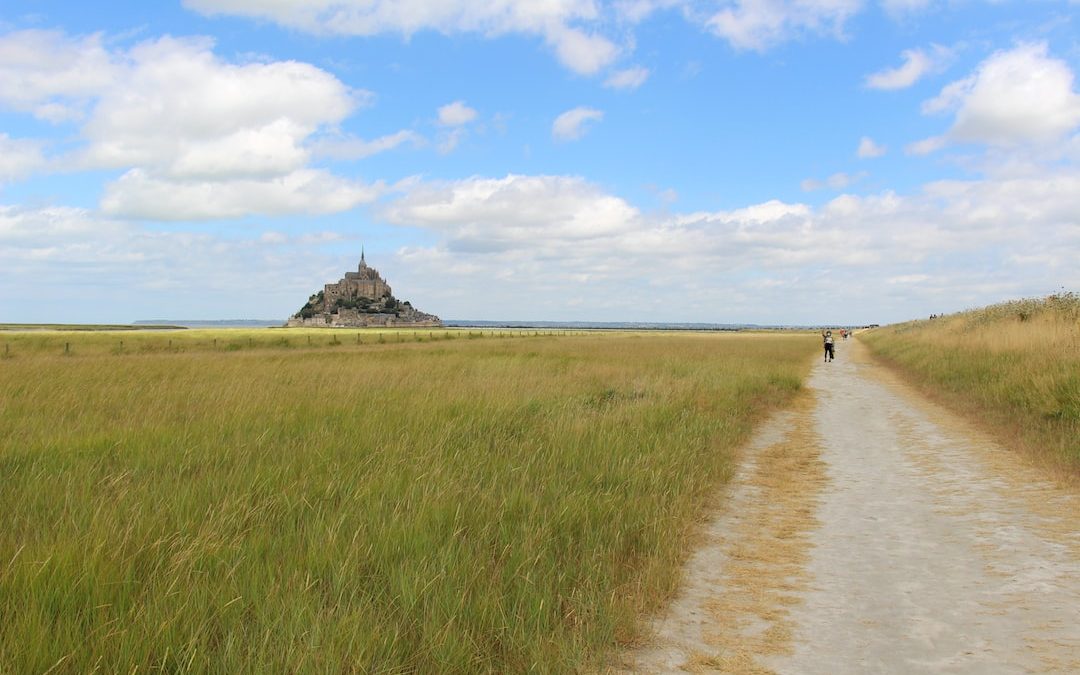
[(361, 298)]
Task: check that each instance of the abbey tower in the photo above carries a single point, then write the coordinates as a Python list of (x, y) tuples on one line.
[(365, 282)]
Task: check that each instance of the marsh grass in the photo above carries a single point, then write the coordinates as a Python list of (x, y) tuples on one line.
[(87, 342), (1014, 366), (447, 506)]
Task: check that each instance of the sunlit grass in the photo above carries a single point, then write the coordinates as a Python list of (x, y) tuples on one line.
[(81, 342), (452, 505), (1014, 366)]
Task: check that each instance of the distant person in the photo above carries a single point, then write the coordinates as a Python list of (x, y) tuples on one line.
[(830, 352)]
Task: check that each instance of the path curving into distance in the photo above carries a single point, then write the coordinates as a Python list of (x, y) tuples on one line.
[(870, 531)]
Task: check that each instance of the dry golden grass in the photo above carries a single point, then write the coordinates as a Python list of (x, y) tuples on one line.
[(771, 546), (457, 505), (751, 570), (1014, 368)]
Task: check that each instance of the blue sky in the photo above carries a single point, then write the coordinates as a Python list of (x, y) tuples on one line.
[(765, 161)]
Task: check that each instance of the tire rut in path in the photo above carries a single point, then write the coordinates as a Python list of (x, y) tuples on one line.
[(923, 547)]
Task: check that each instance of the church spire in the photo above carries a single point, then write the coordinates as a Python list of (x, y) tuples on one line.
[(362, 261)]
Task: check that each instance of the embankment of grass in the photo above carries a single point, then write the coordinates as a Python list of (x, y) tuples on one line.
[(1015, 367), (467, 506)]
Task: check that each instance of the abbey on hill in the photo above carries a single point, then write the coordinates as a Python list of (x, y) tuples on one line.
[(360, 298)]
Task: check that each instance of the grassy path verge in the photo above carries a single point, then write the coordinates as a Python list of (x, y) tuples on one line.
[(453, 506), (1014, 367)]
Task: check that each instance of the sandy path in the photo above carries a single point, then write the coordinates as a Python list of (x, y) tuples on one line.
[(903, 542)]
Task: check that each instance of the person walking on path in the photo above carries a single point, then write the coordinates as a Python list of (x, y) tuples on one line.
[(830, 353)]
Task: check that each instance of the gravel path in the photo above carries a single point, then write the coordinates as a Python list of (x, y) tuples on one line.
[(922, 547)]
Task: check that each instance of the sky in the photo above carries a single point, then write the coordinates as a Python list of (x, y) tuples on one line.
[(728, 161)]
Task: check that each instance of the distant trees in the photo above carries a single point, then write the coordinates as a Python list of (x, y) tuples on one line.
[(387, 304)]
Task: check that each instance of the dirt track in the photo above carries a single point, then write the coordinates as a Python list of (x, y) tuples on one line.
[(869, 531)]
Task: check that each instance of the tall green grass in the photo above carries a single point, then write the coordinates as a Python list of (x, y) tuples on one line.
[(15, 343), (1014, 366), (452, 506)]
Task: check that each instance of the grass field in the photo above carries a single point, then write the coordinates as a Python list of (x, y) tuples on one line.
[(453, 505), (1014, 366), (163, 340)]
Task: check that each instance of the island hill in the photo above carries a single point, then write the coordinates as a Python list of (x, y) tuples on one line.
[(361, 298)]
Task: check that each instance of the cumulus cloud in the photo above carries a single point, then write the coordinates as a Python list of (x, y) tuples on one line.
[(456, 114), (97, 269), (567, 26), (1014, 97), (635, 11), (53, 76), (496, 213), (559, 240), (578, 252), (183, 112), (340, 146), (138, 194), (630, 78), (926, 146), (572, 124), (917, 64), (234, 138), (837, 181), (19, 157), (759, 25), (868, 149)]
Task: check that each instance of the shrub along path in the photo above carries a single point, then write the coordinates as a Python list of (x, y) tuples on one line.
[(905, 541)]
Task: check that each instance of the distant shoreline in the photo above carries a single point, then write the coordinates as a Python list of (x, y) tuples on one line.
[(546, 325), (166, 324), (88, 326)]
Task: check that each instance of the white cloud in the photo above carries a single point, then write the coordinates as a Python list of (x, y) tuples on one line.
[(52, 76), (909, 279), (917, 64), (337, 146), (456, 114), (555, 239), (636, 11), (760, 24), (578, 252), (926, 146), (868, 149), (1014, 97), (572, 124), (138, 194), (837, 181), (630, 78), (84, 267), (453, 116), (498, 213), (563, 24), (584, 53), (19, 157), (187, 125), (180, 111), (449, 141)]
